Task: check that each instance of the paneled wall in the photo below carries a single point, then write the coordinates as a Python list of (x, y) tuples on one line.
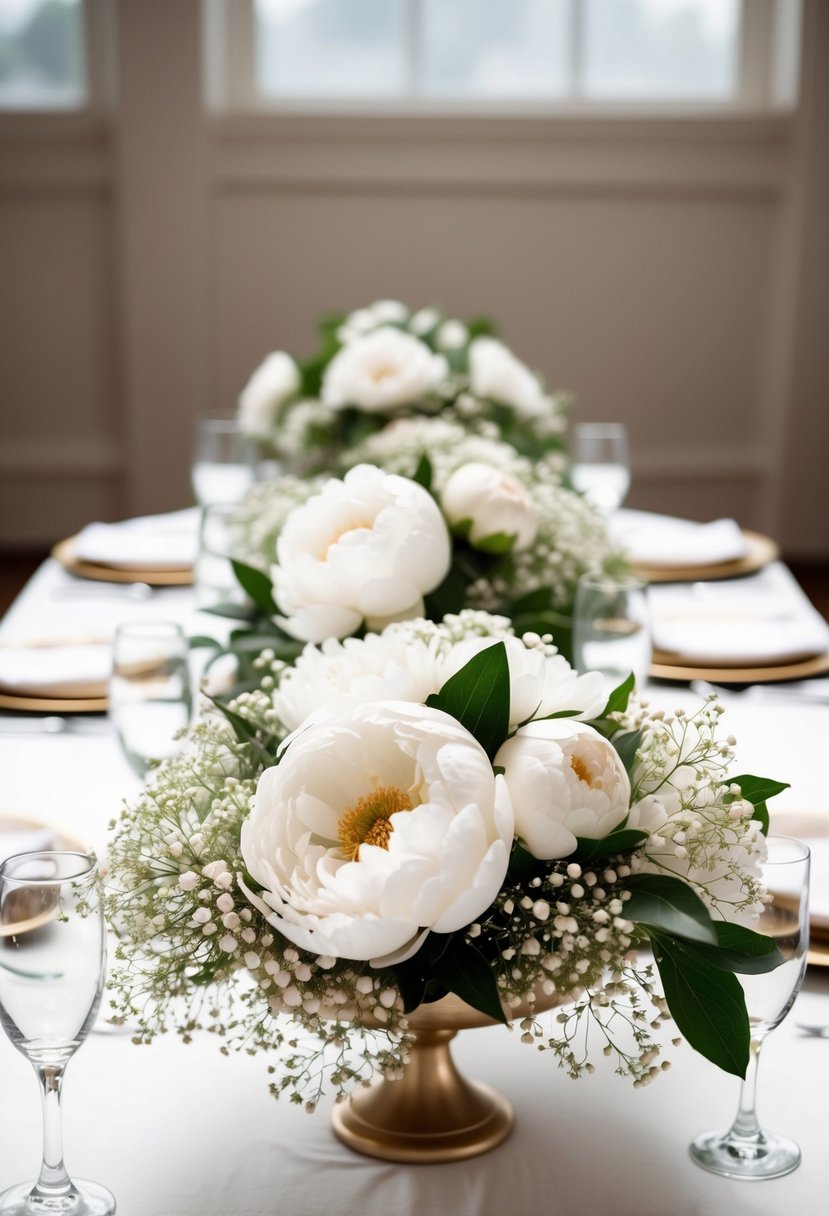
[(671, 272)]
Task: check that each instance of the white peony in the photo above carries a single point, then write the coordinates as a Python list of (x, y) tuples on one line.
[(384, 369), (565, 781), (365, 549), (273, 383), (378, 825), (493, 503), (495, 372)]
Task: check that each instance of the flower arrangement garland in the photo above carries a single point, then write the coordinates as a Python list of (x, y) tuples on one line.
[(442, 521), (459, 811), (387, 362)]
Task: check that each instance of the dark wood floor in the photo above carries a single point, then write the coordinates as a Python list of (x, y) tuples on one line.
[(16, 568)]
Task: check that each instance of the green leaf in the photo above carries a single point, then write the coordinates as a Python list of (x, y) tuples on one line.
[(234, 612), (423, 473), (201, 642), (245, 732), (617, 702), (522, 865), (668, 903), (464, 971), (623, 840), (756, 790), (707, 1004), (740, 950), (498, 543), (449, 597), (478, 697), (539, 600), (257, 585), (626, 745), (416, 974)]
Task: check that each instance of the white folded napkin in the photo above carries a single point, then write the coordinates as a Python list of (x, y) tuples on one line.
[(761, 620), (149, 542), (663, 540), (812, 827), (60, 669), (23, 839)]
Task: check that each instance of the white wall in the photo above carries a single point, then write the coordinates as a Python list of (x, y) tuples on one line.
[(672, 272)]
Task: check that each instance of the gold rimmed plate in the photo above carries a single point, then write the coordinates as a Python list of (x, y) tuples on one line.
[(67, 696), (667, 667), (760, 550), (52, 705), (169, 576)]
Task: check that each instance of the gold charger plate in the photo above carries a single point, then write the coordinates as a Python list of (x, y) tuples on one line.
[(52, 705), (665, 667), (64, 552), (760, 550)]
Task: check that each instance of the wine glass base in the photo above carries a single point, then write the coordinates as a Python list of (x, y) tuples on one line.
[(768, 1156), (84, 1199)]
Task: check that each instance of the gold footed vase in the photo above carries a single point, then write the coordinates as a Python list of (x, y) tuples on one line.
[(432, 1114)]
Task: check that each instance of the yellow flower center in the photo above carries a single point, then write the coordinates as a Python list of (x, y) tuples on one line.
[(367, 524), (383, 371), (369, 820), (579, 767)]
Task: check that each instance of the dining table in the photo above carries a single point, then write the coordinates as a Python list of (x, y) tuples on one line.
[(177, 1129)]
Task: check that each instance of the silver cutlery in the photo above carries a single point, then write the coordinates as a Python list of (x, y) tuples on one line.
[(93, 590), (815, 1030), (764, 693), (54, 724)]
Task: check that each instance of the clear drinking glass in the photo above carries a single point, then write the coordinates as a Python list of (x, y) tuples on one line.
[(223, 462), (150, 696), (612, 627), (221, 537), (600, 463), (746, 1150), (52, 956)]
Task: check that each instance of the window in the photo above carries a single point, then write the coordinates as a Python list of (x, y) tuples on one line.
[(385, 55), (42, 55)]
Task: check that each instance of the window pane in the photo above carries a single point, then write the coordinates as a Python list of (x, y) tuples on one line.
[(489, 48), (330, 48), (41, 54), (661, 49)]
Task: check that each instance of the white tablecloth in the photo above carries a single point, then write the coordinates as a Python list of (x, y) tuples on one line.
[(178, 1130)]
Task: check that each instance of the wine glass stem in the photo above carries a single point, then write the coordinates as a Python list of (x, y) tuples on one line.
[(745, 1124), (53, 1178)]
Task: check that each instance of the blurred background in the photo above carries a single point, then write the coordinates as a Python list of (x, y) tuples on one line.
[(637, 191)]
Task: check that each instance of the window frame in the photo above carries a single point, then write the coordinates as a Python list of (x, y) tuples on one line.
[(767, 72)]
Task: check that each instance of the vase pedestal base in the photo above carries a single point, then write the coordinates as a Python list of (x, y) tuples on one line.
[(431, 1115)]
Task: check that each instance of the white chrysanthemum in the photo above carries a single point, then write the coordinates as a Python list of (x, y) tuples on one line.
[(411, 660), (495, 372), (378, 825), (273, 383), (365, 549), (392, 666), (493, 504), (381, 371), (541, 684), (565, 781)]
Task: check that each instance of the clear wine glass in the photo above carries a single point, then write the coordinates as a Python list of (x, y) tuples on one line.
[(612, 627), (224, 462), (600, 464), (52, 959), (746, 1150), (150, 697)]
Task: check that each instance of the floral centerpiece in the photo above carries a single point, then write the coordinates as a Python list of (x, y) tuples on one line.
[(441, 807), (448, 522), (386, 362)]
